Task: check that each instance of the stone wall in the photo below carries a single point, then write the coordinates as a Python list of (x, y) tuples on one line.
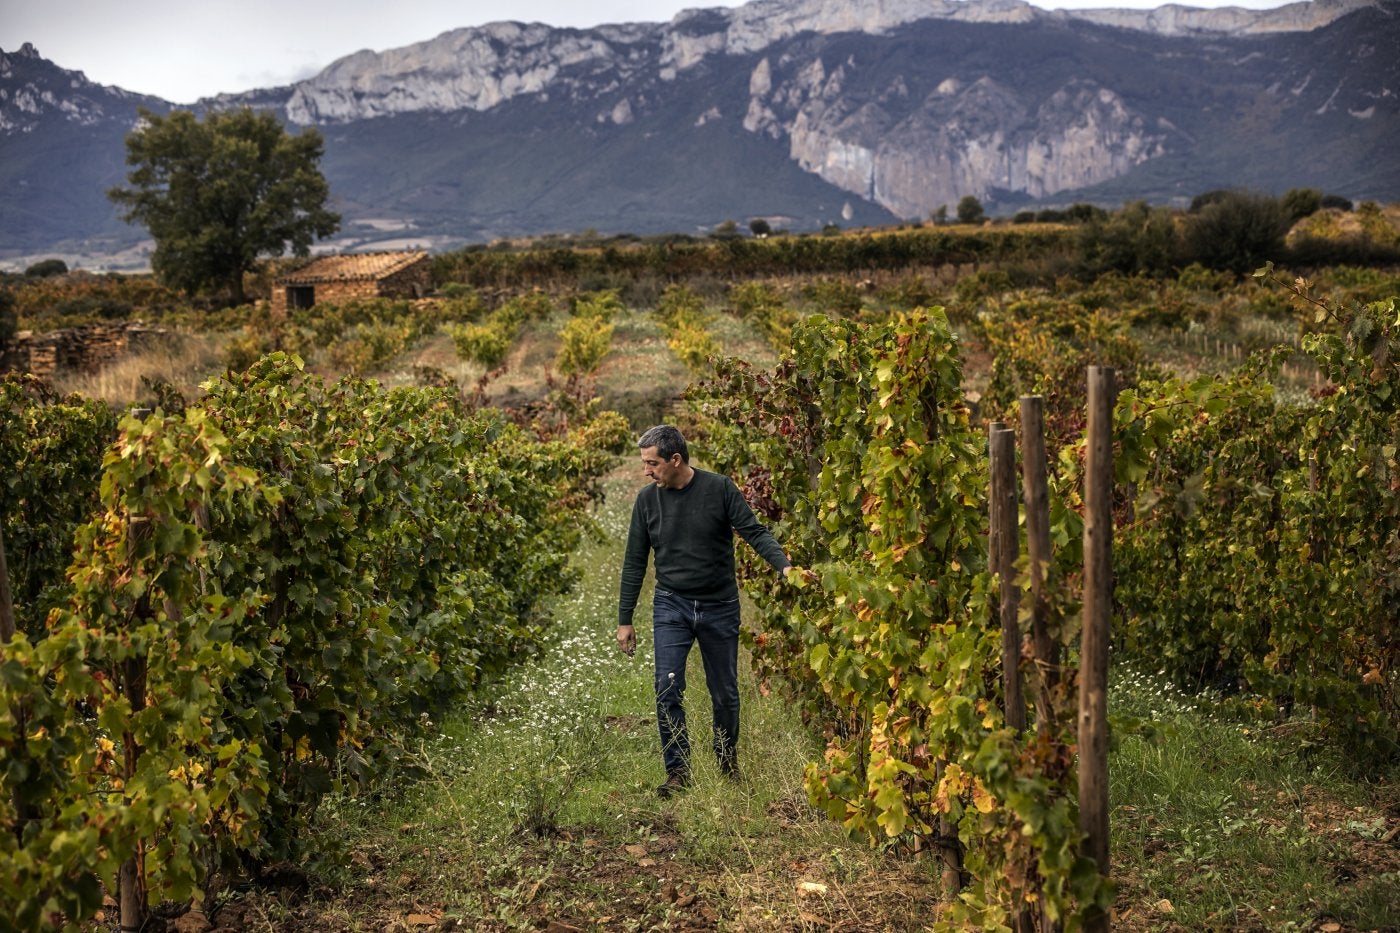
[(414, 282), (75, 349)]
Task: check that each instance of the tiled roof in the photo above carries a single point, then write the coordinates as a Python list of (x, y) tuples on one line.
[(352, 267)]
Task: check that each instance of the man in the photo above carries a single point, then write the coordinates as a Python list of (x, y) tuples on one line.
[(687, 518)]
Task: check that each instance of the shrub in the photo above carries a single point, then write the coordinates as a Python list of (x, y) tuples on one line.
[(1302, 202), (366, 344), (533, 305), (726, 230), (681, 313), (457, 290), (910, 292), (761, 304), (1197, 277), (751, 300), (973, 288), (47, 267), (486, 344), (603, 304), (678, 301), (1238, 231), (460, 303), (834, 296), (8, 319), (1083, 213), (1207, 198), (692, 342), (1136, 239), (585, 339), (970, 210)]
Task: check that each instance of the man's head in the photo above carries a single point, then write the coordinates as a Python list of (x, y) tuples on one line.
[(665, 456)]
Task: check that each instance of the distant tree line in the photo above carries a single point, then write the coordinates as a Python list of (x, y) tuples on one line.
[(1234, 231), (1226, 230)]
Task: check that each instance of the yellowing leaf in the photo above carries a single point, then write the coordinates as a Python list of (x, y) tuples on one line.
[(982, 799)]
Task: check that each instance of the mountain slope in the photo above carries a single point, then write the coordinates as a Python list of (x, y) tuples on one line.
[(61, 147), (802, 111)]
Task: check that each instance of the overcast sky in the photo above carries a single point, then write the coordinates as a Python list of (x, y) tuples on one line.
[(182, 50)]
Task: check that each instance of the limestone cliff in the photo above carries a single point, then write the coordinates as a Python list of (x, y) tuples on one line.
[(978, 137), (468, 69), (917, 141), (33, 90), (480, 67), (805, 112)]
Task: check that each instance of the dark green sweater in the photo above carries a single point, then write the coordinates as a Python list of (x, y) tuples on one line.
[(691, 531)]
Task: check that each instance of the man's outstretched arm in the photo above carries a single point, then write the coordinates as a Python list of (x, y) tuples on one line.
[(742, 519)]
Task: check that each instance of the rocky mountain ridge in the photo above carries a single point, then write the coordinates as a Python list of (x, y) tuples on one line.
[(804, 112), (481, 67), (33, 89)]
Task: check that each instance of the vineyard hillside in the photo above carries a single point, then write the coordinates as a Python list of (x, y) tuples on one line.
[(308, 616)]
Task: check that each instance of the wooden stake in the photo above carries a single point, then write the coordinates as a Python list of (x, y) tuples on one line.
[(7, 602), (131, 878), (949, 846), (1003, 469), (1098, 606), (24, 812), (1036, 491)]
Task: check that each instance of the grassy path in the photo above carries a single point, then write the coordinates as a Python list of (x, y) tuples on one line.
[(537, 807), (534, 809)]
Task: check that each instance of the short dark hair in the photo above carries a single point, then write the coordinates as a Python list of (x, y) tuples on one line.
[(667, 440)]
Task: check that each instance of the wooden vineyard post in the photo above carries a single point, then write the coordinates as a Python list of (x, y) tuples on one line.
[(23, 811), (131, 878), (1098, 604), (949, 847), (7, 602), (993, 503), (1036, 492), (1006, 548)]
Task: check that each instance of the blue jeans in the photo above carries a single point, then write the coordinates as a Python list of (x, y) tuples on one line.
[(677, 624)]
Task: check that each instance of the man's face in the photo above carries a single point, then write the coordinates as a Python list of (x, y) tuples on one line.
[(661, 472)]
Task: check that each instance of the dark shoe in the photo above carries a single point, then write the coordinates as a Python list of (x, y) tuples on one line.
[(676, 782), (729, 767)]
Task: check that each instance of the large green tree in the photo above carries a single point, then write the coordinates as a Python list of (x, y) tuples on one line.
[(217, 194), (970, 210)]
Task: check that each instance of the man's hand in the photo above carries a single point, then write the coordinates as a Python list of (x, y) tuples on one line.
[(627, 639), (799, 576)]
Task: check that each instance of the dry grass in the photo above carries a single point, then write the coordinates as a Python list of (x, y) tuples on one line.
[(182, 360), (640, 376)]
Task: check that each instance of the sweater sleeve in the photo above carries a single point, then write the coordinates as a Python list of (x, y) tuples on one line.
[(634, 565), (743, 520)]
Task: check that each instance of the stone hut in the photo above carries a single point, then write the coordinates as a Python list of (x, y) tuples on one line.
[(356, 275)]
